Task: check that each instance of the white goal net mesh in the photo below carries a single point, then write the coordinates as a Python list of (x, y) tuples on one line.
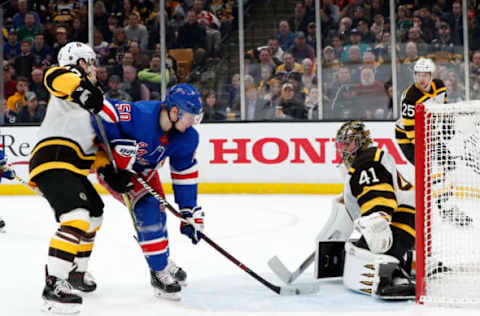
[(451, 204)]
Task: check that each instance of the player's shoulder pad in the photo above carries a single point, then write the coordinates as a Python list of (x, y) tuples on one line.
[(438, 83), (187, 141), (368, 157), (412, 95)]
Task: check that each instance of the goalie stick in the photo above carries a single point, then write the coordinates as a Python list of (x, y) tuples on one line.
[(281, 290), (284, 274)]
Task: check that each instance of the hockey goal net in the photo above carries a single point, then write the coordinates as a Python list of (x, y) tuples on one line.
[(447, 167)]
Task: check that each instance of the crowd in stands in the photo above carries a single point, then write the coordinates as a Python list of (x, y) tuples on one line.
[(280, 81)]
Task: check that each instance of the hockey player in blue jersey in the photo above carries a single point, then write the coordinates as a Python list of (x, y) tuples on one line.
[(7, 173), (142, 135)]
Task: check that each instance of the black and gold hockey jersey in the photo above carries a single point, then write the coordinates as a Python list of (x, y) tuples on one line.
[(373, 184), (65, 138), (405, 126)]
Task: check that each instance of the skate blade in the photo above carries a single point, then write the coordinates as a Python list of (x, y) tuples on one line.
[(167, 296), (61, 309)]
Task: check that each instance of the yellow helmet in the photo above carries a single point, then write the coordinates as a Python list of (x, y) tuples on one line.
[(352, 137)]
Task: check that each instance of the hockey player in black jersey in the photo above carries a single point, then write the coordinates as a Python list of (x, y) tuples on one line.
[(382, 202), (425, 89)]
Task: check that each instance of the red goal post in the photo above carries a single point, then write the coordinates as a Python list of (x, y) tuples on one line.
[(447, 182)]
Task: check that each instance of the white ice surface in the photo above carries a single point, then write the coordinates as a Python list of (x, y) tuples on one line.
[(252, 228)]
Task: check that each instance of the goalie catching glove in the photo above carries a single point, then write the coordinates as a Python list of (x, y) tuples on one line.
[(193, 225), (119, 181)]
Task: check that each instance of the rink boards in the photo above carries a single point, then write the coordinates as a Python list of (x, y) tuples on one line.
[(244, 157)]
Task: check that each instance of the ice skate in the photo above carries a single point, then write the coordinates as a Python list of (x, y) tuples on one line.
[(165, 285), (58, 297), (177, 273), (82, 281)]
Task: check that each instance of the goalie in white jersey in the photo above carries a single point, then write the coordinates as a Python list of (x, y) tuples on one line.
[(382, 202)]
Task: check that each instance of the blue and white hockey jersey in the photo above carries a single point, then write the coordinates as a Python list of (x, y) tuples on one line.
[(139, 121)]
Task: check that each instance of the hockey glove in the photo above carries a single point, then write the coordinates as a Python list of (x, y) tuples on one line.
[(5, 172), (125, 153), (88, 96), (193, 226), (119, 181)]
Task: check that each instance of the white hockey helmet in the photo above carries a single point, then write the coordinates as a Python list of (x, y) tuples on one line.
[(424, 65), (72, 52)]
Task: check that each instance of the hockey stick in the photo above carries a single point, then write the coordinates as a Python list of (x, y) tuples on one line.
[(101, 128), (301, 289), (284, 274), (25, 183)]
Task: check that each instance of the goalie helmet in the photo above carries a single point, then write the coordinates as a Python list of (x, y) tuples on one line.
[(73, 52), (352, 137)]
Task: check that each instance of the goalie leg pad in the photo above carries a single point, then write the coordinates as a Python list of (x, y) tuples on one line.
[(359, 269), (339, 225), (375, 229)]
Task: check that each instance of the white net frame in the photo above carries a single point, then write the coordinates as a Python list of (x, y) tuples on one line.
[(451, 220)]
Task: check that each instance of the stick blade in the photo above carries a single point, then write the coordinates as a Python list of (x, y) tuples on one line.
[(302, 289), (280, 270)]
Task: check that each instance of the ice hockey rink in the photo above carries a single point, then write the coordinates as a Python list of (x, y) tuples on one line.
[(252, 228)]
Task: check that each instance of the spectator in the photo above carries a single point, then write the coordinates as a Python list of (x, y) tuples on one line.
[(101, 18), (415, 35), (9, 84), (25, 61), (79, 31), (377, 27), (299, 21), (29, 29), (275, 50), (355, 40), (152, 77), (475, 64), (311, 35), (61, 40), (136, 31), (426, 33), (290, 107), (344, 28), (11, 48), (300, 49), (256, 108), (122, 61), (295, 79), (18, 20), (285, 36), (203, 14), (337, 44), (265, 61), (264, 86), (102, 77), (140, 60), (211, 109), (404, 22), (114, 91), (177, 21), (327, 9), (191, 34), (112, 25), (367, 36), (311, 103), (143, 9), (475, 87), (41, 51), (289, 65), (33, 112), (213, 39), (137, 90), (201, 76), (17, 100), (355, 59), (38, 87), (349, 9), (454, 19), (453, 93), (383, 50), (370, 100), (308, 74), (233, 92), (100, 47), (443, 47), (119, 46), (341, 92)]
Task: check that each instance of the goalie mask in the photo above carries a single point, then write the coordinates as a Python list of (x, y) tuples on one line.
[(352, 137)]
